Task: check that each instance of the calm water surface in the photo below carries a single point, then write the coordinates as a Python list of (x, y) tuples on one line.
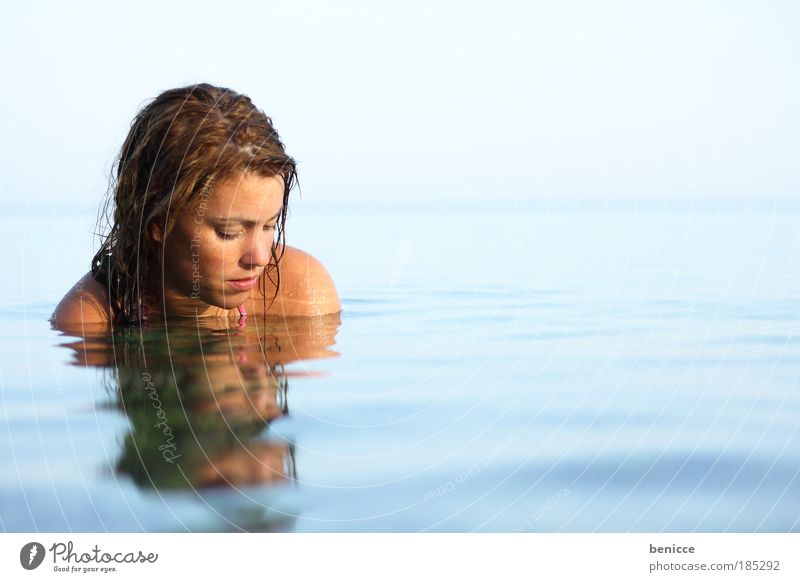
[(523, 369)]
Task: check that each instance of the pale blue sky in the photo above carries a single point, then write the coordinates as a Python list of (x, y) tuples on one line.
[(421, 102)]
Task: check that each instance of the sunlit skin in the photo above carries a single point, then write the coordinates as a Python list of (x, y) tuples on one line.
[(212, 261), (220, 244)]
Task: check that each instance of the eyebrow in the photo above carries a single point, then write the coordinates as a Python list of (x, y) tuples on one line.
[(241, 220)]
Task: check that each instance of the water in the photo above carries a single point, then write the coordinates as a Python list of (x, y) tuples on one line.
[(549, 367)]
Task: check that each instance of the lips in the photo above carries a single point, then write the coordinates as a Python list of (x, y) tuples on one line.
[(244, 284)]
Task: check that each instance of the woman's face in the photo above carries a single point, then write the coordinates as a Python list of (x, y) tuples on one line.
[(220, 246)]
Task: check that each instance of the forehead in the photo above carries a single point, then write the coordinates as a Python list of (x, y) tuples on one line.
[(257, 198)]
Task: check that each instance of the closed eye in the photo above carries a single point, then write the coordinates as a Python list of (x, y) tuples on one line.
[(227, 235)]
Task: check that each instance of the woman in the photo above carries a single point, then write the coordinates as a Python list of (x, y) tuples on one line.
[(200, 194)]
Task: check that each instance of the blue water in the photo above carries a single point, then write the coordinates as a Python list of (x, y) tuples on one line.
[(551, 367)]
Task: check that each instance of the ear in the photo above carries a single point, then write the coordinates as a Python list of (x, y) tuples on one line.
[(156, 232)]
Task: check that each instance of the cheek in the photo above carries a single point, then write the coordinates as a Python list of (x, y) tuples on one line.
[(177, 253), (216, 258)]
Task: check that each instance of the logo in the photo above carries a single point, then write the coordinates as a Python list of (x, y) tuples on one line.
[(31, 555)]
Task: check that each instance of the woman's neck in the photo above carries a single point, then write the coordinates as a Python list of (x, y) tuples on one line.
[(173, 303)]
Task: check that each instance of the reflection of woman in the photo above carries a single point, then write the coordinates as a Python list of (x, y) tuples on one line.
[(200, 424), (200, 400), (198, 407), (277, 342), (199, 207)]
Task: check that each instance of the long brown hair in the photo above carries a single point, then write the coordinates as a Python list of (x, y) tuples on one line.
[(181, 144)]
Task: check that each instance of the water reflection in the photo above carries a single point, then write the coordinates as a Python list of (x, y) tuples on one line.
[(200, 400)]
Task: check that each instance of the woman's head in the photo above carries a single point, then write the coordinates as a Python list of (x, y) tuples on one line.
[(188, 150)]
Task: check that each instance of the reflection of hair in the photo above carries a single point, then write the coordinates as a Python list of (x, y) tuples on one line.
[(179, 146)]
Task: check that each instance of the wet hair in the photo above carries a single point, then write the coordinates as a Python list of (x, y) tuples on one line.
[(180, 146)]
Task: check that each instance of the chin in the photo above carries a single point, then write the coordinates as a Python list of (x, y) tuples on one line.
[(226, 301), (230, 300)]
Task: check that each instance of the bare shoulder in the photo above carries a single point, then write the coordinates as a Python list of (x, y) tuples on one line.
[(86, 304), (306, 288)]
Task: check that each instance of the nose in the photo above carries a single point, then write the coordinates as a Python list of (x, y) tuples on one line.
[(258, 252)]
